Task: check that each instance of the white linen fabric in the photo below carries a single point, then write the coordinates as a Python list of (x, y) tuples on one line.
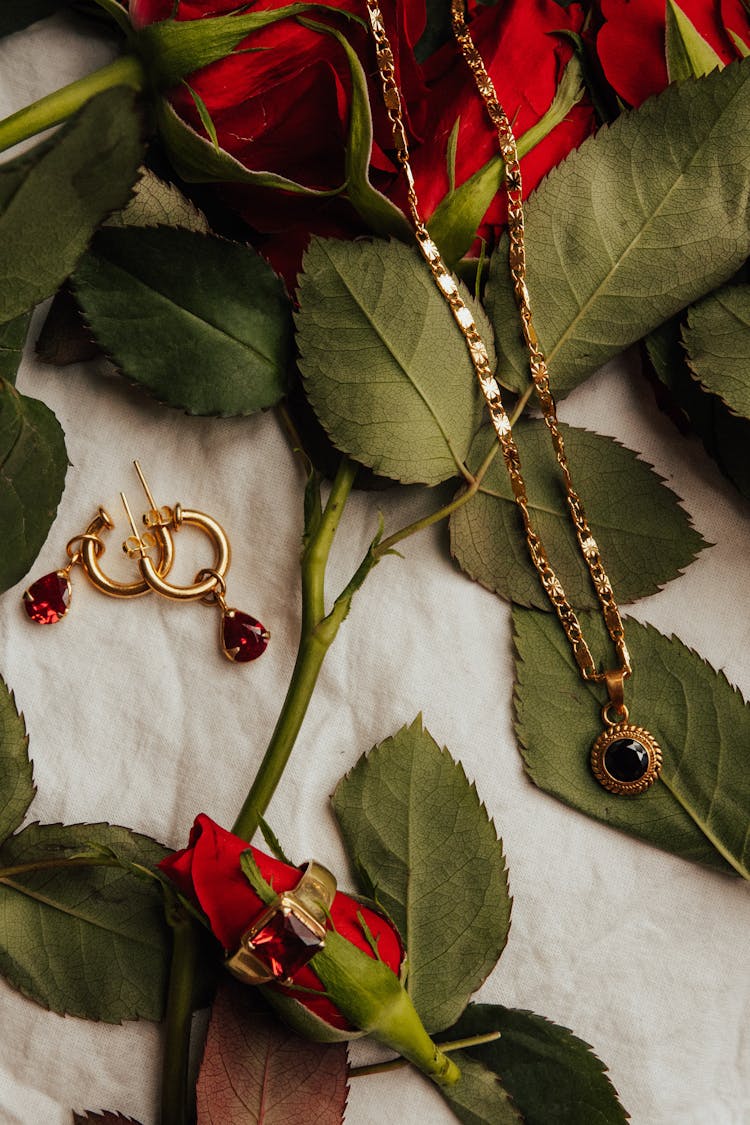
[(135, 718)]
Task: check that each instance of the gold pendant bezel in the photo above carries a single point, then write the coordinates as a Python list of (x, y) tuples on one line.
[(638, 734)]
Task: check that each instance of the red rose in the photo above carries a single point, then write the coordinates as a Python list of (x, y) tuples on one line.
[(525, 59), (208, 871), (631, 43), (282, 105), (281, 102)]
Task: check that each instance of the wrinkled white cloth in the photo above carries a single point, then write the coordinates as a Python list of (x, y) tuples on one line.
[(135, 718)]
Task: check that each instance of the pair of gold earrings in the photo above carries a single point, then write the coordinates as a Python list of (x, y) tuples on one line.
[(46, 601)]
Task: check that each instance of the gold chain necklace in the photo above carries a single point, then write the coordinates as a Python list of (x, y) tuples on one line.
[(625, 759)]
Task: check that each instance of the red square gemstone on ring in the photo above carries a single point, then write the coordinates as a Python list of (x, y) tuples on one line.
[(284, 944)]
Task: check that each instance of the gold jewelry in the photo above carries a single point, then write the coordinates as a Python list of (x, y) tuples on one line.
[(625, 758), (288, 932), (47, 600), (242, 638), (91, 547)]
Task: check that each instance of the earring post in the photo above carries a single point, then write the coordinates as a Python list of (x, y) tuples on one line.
[(126, 506), (146, 488)]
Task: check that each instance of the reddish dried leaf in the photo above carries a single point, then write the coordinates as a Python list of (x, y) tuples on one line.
[(255, 1071), (88, 1118)]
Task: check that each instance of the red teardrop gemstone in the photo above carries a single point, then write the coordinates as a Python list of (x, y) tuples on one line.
[(48, 599), (242, 637)]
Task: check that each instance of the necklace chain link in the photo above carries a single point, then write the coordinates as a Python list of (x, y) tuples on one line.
[(478, 351)]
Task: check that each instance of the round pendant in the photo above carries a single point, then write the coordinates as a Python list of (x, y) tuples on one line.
[(626, 759)]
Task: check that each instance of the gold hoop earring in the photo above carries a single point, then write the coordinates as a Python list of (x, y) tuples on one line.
[(92, 548), (48, 599), (242, 638)]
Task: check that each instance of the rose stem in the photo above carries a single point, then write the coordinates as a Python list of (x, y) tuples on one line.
[(62, 104), (446, 1048), (317, 633), (175, 1104)]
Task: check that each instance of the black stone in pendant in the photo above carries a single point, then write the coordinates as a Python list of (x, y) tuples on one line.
[(626, 759)]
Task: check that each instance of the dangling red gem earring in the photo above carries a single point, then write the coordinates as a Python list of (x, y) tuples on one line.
[(242, 638), (47, 600)]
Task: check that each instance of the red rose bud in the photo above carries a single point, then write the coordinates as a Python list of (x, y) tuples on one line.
[(279, 99), (346, 989), (525, 56)]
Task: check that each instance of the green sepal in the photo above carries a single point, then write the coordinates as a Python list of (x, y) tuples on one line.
[(742, 48), (688, 53), (372, 998), (172, 49), (197, 161), (303, 1021), (384, 217), (252, 873), (454, 222), (272, 842)]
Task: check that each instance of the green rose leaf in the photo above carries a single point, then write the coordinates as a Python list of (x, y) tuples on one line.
[(420, 837), (385, 366), (550, 1074), (52, 200), (12, 341), (700, 807), (64, 338), (17, 14), (479, 1097), (89, 1118), (255, 1069), (610, 253), (17, 786), (89, 941), (717, 339), (725, 435), (214, 325), (33, 461), (158, 203), (646, 538)]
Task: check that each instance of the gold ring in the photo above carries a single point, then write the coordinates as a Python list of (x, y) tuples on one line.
[(288, 932)]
